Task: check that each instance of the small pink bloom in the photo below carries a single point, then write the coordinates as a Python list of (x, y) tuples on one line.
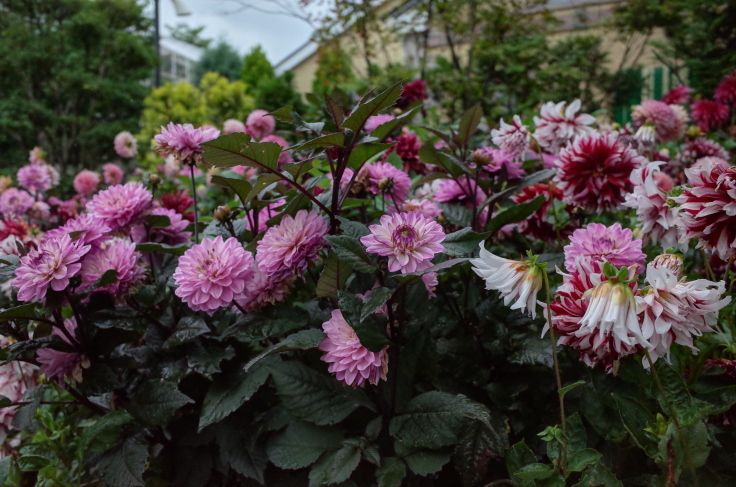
[(384, 178), (56, 365), (291, 245), (126, 146), (377, 120), (426, 208), (121, 206), (232, 126), (598, 243), (259, 124), (497, 161), (87, 230), (34, 178), (112, 173), (666, 122), (15, 202), (86, 182)]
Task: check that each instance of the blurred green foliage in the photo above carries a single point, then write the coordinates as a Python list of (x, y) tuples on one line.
[(222, 59)]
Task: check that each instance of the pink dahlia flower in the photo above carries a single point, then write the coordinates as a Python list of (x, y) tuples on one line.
[(56, 365), (426, 208), (118, 255), (172, 234), (37, 156), (112, 173), (34, 178), (259, 124), (263, 290), (412, 92), (290, 246), (232, 126), (699, 148), (513, 138), (708, 207), (599, 243), (184, 142), (557, 126), (384, 178), (377, 120), (497, 161), (407, 239), (87, 230), (448, 190), (726, 91), (212, 273), (594, 172), (284, 157), (121, 206), (679, 95), (662, 116), (350, 361), (15, 202), (709, 115), (51, 265), (649, 199), (126, 146), (86, 182)]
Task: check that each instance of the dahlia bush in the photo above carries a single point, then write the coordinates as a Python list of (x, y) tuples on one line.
[(540, 300)]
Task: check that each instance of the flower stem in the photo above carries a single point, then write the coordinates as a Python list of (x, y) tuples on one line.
[(706, 263), (194, 196)]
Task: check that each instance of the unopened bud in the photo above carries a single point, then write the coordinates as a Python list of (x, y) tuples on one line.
[(154, 179), (693, 131), (222, 212), (672, 262), (481, 157)]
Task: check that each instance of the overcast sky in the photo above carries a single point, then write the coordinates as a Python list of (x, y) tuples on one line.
[(278, 34)]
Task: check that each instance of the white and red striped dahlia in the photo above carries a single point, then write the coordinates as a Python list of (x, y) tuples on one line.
[(557, 126)]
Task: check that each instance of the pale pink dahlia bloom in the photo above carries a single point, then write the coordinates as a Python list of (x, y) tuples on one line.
[(649, 199), (56, 365), (517, 281), (662, 116), (384, 178), (126, 146), (15, 202), (232, 126), (350, 361), (557, 126), (52, 264), (118, 255), (426, 208), (376, 121), (121, 206), (513, 138), (263, 289), (259, 124), (212, 273), (34, 178), (86, 182), (87, 230), (284, 157), (290, 246), (409, 240), (598, 242), (184, 142), (172, 234), (37, 156), (112, 173)]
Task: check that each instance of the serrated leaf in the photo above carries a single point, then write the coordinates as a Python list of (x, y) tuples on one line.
[(156, 402), (369, 107), (430, 155), (377, 298), (515, 214), (240, 187), (334, 467), (188, 327), (721, 399), (599, 476), (229, 392), (517, 457), (302, 340), (336, 139), (687, 408), (23, 418), (158, 248), (301, 444), (22, 312), (240, 450), (463, 242), (391, 472), (237, 149), (422, 462), (283, 114), (105, 432), (353, 229), (529, 180), (535, 471), (351, 251), (123, 465), (468, 125), (335, 109), (364, 152), (582, 458), (333, 277), (636, 418), (476, 446)]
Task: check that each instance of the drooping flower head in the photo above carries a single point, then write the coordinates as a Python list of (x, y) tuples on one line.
[(290, 246), (376, 120), (513, 138), (184, 142), (34, 178), (412, 92), (85, 229), (679, 95), (57, 365), (726, 90), (407, 239), (350, 361), (709, 114), (112, 173), (384, 178), (15, 202), (557, 126), (231, 126), (260, 124), (52, 265), (599, 243), (172, 234), (118, 255), (594, 172), (121, 206), (497, 162), (517, 281), (126, 146), (86, 182), (212, 273)]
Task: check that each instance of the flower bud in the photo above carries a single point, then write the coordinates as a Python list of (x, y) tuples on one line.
[(222, 212), (693, 131), (672, 262), (154, 179)]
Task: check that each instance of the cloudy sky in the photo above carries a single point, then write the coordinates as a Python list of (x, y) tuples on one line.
[(243, 28)]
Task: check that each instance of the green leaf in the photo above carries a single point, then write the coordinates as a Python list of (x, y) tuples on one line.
[(369, 107), (237, 150), (335, 109), (283, 114), (22, 312), (581, 459), (429, 155), (463, 242), (364, 152), (721, 399), (636, 418), (123, 465), (188, 327), (333, 277), (239, 449), (535, 471), (468, 125), (353, 229), (314, 397), (378, 298), (535, 178), (334, 467), (351, 251), (23, 418), (459, 215), (599, 476), (302, 340), (689, 446), (229, 392), (105, 432), (301, 444), (515, 214), (5, 401), (110, 276), (577, 437), (570, 387), (158, 221), (687, 408), (476, 446), (5, 464), (54, 342), (533, 351), (384, 129), (391, 472), (414, 276), (156, 402), (517, 457), (336, 139), (434, 419), (32, 463), (371, 332), (158, 248), (240, 187)]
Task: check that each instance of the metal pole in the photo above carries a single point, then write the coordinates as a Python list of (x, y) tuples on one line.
[(156, 41)]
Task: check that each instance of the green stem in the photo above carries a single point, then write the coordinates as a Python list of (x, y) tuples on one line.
[(194, 196)]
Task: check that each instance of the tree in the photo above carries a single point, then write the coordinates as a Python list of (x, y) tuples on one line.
[(190, 35), (72, 76), (256, 67), (270, 91), (222, 59)]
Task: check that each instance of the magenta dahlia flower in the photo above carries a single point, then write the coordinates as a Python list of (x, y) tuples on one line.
[(259, 124), (679, 95), (34, 178), (57, 365), (87, 230), (448, 190), (709, 114), (112, 173), (497, 161), (126, 146), (290, 246), (86, 182), (513, 138), (412, 92), (699, 148), (384, 178), (407, 239), (377, 120), (594, 172), (121, 206), (708, 207), (262, 290), (726, 90), (666, 122), (183, 142), (173, 234), (212, 273), (232, 126), (15, 202), (599, 243), (118, 255), (557, 126), (52, 265), (350, 361)]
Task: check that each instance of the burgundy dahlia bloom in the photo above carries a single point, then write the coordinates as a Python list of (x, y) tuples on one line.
[(679, 95), (259, 124), (126, 146), (599, 243), (594, 172), (407, 148), (350, 361), (118, 255), (409, 240), (52, 265), (384, 178), (536, 224), (86, 182), (412, 92), (726, 91), (121, 206), (15, 202), (290, 246), (56, 365), (212, 273), (180, 202), (34, 178), (709, 115), (184, 142)]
